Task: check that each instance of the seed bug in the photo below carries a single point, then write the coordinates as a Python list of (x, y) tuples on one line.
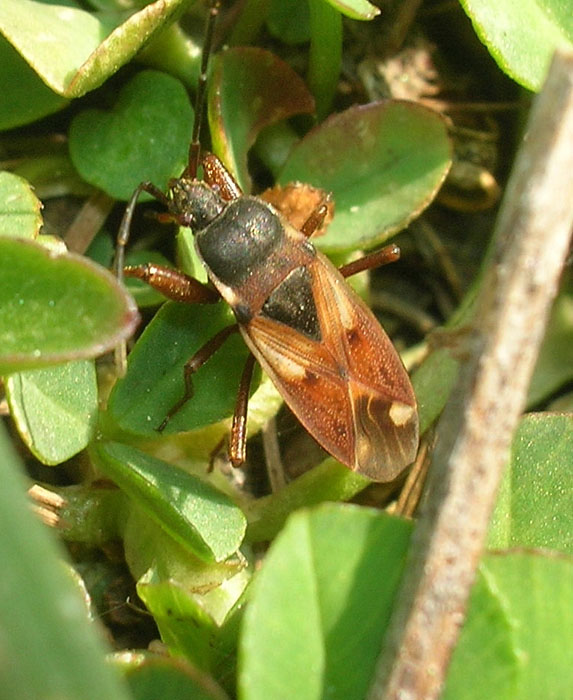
[(320, 344)]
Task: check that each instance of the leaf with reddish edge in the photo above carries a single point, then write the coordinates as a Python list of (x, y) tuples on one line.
[(249, 90), (383, 162)]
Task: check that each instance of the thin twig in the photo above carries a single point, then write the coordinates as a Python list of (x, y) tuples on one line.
[(46, 504), (275, 467), (475, 432), (88, 222)]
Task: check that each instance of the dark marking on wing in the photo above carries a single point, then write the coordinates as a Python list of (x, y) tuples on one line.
[(292, 303)]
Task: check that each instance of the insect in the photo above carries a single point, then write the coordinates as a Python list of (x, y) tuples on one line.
[(320, 344)]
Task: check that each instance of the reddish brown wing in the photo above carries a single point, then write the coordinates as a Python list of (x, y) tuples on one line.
[(350, 389)]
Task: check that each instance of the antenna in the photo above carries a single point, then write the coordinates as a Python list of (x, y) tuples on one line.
[(195, 147)]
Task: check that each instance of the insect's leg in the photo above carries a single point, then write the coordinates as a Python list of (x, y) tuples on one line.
[(125, 227), (315, 220), (193, 364), (238, 439), (119, 257), (388, 254), (219, 178), (173, 284)]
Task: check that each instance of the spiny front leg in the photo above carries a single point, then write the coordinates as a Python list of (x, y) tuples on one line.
[(173, 284)]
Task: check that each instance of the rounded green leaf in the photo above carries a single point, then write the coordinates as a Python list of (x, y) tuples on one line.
[(433, 381), (79, 50), (320, 605), (522, 36), (328, 481), (487, 646), (281, 26), (383, 162), (534, 502), (536, 591), (155, 560), (196, 633), (154, 380), (250, 88), (171, 679), (25, 97), (57, 307), (55, 408), (145, 137), (50, 648), (194, 513), (554, 366), (20, 215)]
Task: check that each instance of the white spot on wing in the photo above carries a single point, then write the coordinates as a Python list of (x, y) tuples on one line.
[(400, 413)]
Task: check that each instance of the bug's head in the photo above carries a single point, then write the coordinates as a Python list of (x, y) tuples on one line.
[(194, 203)]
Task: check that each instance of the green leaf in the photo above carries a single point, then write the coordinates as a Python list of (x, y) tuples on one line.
[(55, 409), (155, 558), (320, 605), (325, 54), (193, 512), (536, 590), (93, 513), (154, 380), (328, 481), (269, 91), (49, 647), (57, 307), (522, 36), (280, 24), (171, 679), (19, 208), (145, 137), (79, 50), (52, 175), (554, 366), (355, 9), (383, 163), (25, 97), (534, 503), (188, 622), (433, 381), (487, 646)]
